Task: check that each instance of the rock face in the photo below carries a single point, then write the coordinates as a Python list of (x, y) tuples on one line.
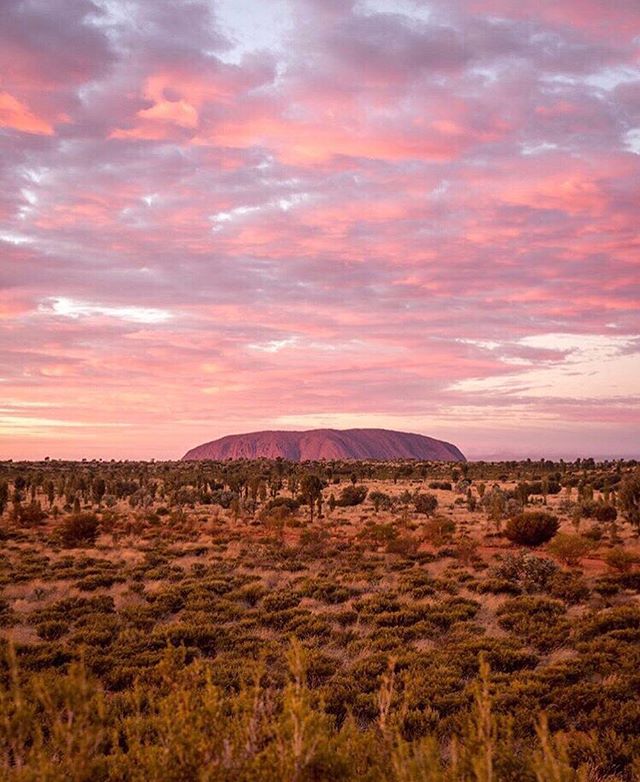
[(327, 444)]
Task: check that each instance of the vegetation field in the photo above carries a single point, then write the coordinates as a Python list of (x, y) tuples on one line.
[(267, 620)]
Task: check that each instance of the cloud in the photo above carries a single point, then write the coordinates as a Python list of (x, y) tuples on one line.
[(369, 213), (68, 308)]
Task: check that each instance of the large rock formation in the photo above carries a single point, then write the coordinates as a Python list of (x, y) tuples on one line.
[(327, 444)]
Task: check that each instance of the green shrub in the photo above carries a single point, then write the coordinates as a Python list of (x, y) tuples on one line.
[(53, 629), (621, 559), (438, 530), (80, 529), (532, 528), (352, 495), (570, 549), (528, 571), (425, 503), (31, 515), (537, 620), (606, 513)]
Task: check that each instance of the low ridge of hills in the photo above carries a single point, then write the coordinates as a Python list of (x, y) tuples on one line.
[(317, 444)]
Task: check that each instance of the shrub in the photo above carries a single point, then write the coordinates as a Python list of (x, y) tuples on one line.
[(537, 620), (31, 514), (620, 559), (425, 503), (352, 495), (532, 528), (532, 573), (52, 629), (570, 548), (439, 529), (378, 534), (594, 533), (467, 550), (569, 586), (79, 529), (614, 620), (291, 504), (380, 500), (606, 513), (404, 545)]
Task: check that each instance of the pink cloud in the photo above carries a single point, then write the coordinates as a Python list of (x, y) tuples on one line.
[(353, 221), (15, 114)]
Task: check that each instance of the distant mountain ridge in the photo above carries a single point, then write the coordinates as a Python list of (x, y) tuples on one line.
[(317, 444)]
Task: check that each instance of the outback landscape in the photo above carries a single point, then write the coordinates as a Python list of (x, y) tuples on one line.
[(319, 373), (336, 620)]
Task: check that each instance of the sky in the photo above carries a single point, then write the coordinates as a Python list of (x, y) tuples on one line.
[(220, 216)]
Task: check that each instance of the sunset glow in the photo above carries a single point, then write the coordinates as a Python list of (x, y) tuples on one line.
[(220, 216)]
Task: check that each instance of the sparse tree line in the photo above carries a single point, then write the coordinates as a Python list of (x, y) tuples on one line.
[(30, 494)]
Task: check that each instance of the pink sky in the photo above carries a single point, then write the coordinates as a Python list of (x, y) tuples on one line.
[(227, 215)]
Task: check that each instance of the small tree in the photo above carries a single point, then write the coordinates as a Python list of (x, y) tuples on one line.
[(379, 500), (4, 496), (98, 490), (311, 489), (629, 498)]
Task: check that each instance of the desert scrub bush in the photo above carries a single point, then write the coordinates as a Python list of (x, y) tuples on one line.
[(72, 609), (403, 545), (31, 515), (425, 504), (621, 560), (629, 498), (496, 586), (249, 594), (438, 530), (280, 600), (531, 528), (53, 629), (377, 534), (617, 622), (327, 591), (380, 501), (539, 621), (99, 581), (377, 602), (79, 529), (352, 495), (417, 584), (176, 724), (442, 485), (526, 571), (466, 549), (569, 586), (594, 533), (605, 513), (8, 616), (504, 655), (570, 549)]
